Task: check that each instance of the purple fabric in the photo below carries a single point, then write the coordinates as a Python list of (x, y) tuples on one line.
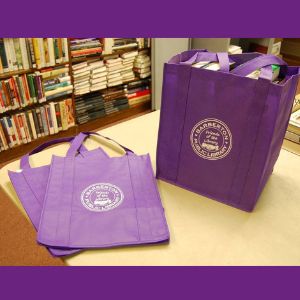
[(96, 203), (220, 133), (30, 184)]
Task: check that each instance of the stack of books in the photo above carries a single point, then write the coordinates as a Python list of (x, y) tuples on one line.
[(114, 44), (56, 82), (85, 47), (89, 107), (81, 75), (138, 91), (127, 62), (115, 99), (25, 53), (89, 76), (21, 91), (98, 75), (114, 68), (142, 64), (22, 128)]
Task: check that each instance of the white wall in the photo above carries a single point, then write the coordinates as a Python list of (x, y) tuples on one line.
[(162, 50)]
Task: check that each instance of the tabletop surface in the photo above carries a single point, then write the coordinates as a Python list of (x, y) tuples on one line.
[(202, 231)]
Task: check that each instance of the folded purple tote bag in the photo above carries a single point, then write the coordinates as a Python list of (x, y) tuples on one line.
[(96, 203), (220, 132), (30, 183)]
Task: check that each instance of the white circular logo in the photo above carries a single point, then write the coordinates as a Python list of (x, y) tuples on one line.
[(211, 139), (101, 197)]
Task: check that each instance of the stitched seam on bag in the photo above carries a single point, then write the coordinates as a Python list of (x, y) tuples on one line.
[(29, 186), (273, 130), (45, 200), (158, 196), (134, 197), (61, 188), (162, 113), (230, 194), (184, 122), (76, 247), (71, 196), (253, 150)]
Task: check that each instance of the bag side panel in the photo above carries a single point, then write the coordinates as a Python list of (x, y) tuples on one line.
[(174, 94)]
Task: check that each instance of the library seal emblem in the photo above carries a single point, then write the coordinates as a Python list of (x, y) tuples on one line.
[(211, 139), (101, 197)]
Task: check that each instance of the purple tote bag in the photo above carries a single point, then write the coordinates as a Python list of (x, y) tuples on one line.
[(220, 132), (30, 183), (95, 203)]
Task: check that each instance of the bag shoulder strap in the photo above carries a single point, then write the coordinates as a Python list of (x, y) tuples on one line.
[(24, 162), (80, 138)]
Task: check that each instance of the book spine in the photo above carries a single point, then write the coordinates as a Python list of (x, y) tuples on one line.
[(20, 91), (13, 54), (11, 132), (50, 121), (7, 136), (66, 50), (22, 129), (42, 52), (16, 128), (60, 49), (44, 120), (18, 53), (53, 116), (5, 67), (31, 50), (51, 51), (4, 140), (36, 123), (46, 52), (32, 125), (9, 88), (26, 130), (40, 122), (36, 50), (29, 125), (24, 53), (63, 113), (8, 54), (58, 116), (26, 89)]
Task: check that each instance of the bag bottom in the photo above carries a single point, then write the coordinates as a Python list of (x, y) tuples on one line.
[(246, 209)]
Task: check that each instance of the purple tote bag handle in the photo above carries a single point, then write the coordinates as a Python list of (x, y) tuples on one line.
[(263, 62), (79, 139), (221, 57), (24, 163)]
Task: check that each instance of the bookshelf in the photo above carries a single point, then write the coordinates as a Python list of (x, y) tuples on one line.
[(110, 118)]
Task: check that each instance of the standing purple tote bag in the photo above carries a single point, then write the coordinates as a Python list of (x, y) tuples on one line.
[(95, 203), (30, 183), (220, 132)]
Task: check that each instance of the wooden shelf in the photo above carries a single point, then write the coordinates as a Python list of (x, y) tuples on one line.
[(34, 105), (32, 70), (18, 151), (13, 73)]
